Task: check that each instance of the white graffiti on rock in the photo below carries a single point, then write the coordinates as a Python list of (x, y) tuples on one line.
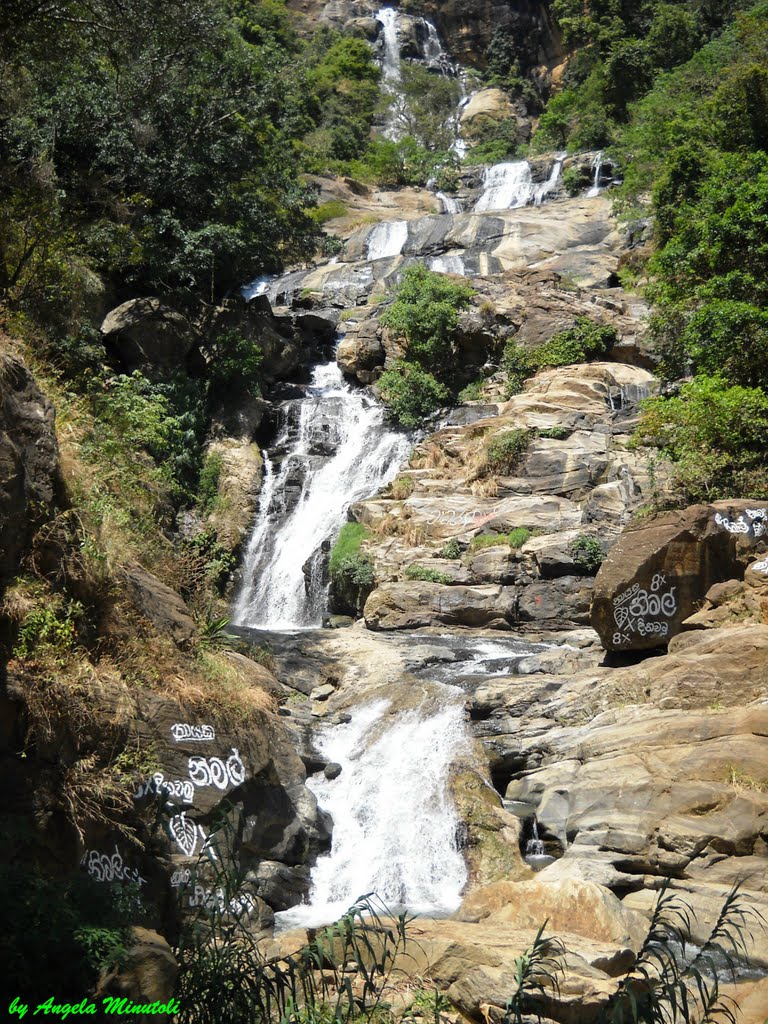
[(105, 867), (213, 771), (194, 733), (642, 612)]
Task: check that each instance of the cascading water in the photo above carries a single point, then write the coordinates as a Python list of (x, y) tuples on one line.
[(450, 205), (390, 60), (394, 824), (510, 186), (387, 240), (448, 263), (597, 170), (339, 450)]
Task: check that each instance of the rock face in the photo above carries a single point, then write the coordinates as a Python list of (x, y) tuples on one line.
[(164, 608), (565, 490), (660, 570), (489, 108), (29, 462)]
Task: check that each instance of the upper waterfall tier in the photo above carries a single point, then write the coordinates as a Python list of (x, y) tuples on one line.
[(334, 449)]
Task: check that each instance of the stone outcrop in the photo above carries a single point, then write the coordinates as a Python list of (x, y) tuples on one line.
[(582, 483), (164, 608), (238, 487), (29, 462), (488, 109), (660, 570), (145, 334)]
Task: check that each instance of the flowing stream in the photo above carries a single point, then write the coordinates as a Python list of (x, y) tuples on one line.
[(510, 186), (395, 828), (334, 449)]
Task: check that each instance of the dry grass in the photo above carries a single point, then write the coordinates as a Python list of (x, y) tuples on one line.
[(430, 455), (387, 526), (485, 487), (739, 780), (401, 488)]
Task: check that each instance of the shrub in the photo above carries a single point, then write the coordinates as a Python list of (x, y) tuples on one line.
[(555, 433), (518, 367), (576, 179), (233, 365), (714, 435), (208, 486), (586, 553), (421, 572), (514, 539), (587, 340), (471, 393), (451, 549), (49, 629), (401, 488), (328, 211), (411, 393), (426, 314), (503, 452), (347, 562)]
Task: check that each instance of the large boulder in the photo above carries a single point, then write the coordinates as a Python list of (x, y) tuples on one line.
[(488, 108), (413, 605), (164, 608), (29, 462), (660, 570), (145, 334)]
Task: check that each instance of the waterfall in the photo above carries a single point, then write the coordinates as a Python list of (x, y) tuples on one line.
[(254, 288), (597, 170), (450, 205), (337, 451), (509, 186), (394, 824), (535, 853), (387, 240), (452, 263), (390, 63)]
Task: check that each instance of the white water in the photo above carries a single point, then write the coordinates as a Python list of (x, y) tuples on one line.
[(387, 239), (448, 264), (597, 170), (450, 205), (390, 64), (258, 287), (342, 452), (510, 186), (395, 825)]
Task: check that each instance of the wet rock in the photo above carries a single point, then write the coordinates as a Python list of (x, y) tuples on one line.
[(332, 770), (322, 692), (145, 334), (29, 463), (360, 351), (661, 569)]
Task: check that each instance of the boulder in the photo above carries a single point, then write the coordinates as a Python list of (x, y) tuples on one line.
[(29, 462), (237, 491), (360, 351), (563, 601), (567, 905), (413, 605), (145, 334), (486, 107), (660, 570), (146, 975), (164, 608)]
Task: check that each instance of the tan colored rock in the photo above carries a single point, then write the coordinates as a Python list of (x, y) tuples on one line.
[(568, 905), (413, 605), (164, 608), (239, 485), (148, 975), (660, 570), (488, 106)]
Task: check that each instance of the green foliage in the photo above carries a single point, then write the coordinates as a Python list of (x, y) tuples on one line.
[(514, 539), (233, 365), (518, 367), (555, 433), (329, 211), (715, 437), (422, 572), (587, 553), (423, 107), (213, 635), (503, 452), (174, 163), (347, 563), (49, 629), (208, 486), (411, 393), (472, 392), (426, 312), (576, 180), (495, 142), (586, 340), (395, 164), (66, 931), (536, 975), (451, 549)]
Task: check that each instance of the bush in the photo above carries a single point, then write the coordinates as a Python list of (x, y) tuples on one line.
[(208, 487), (503, 452), (451, 549), (233, 366), (587, 553), (555, 433), (401, 488), (518, 367), (587, 340), (421, 572), (347, 563), (426, 314), (514, 539), (714, 434), (411, 393)]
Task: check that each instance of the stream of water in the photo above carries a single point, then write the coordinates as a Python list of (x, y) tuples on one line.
[(334, 448)]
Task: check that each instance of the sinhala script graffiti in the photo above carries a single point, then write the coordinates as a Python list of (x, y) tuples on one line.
[(643, 613)]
